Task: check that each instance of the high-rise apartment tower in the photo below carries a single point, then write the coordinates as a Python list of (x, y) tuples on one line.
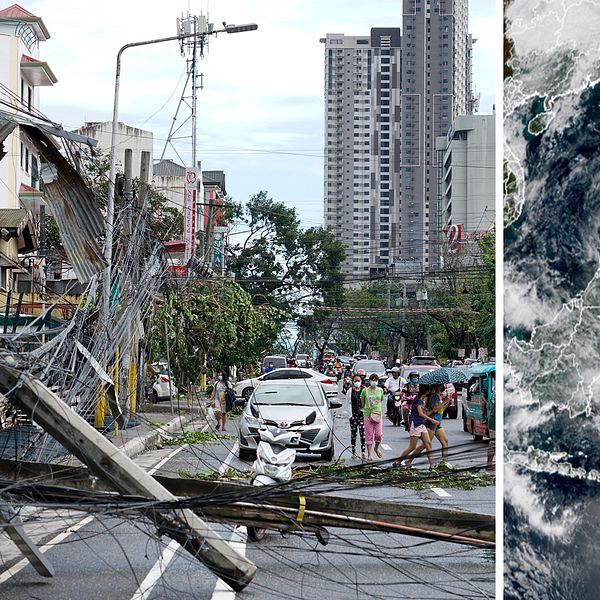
[(387, 97)]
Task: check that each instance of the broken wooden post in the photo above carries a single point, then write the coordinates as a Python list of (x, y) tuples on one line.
[(109, 463)]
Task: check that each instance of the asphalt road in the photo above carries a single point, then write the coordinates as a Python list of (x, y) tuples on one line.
[(111, 558)]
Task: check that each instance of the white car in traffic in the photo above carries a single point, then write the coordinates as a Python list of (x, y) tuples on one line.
[(244, 388)]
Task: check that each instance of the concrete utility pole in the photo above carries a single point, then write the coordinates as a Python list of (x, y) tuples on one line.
[(109, 463)]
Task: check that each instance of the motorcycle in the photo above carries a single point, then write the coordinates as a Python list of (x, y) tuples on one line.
[(273, 465)]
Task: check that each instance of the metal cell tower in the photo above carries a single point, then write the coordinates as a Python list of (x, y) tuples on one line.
[(193, 48)]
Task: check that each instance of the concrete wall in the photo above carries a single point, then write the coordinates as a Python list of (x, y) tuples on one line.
[(128, 138)]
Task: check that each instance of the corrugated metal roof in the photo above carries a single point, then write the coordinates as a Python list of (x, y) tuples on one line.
[(74, 208), (168, 168), (12, 217)]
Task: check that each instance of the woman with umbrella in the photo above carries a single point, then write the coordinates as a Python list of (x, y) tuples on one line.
[(434, 413)]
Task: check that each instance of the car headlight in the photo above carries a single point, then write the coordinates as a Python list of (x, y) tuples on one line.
[(320, 419), (253, 421)]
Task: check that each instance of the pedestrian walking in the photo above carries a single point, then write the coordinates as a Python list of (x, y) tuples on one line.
[(436, 405), (410, 392), (417, 430), (357, 418), (219, 400), (372, 399)]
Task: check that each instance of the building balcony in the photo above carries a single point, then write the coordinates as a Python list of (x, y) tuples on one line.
[(37, 72)]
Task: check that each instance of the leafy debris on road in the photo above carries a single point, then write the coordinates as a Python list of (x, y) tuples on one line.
[(230, 473), (407, 478), (195, 437)]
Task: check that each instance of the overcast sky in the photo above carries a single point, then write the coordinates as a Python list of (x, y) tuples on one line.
[(260, 114)]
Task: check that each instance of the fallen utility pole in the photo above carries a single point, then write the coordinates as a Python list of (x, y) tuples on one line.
[(278, 508), (110, 464)]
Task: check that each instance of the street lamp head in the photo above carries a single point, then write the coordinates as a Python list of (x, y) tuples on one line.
[(240, 28)]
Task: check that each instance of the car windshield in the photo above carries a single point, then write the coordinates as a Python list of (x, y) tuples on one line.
[(371, 366), (301, 356), (288, 395)]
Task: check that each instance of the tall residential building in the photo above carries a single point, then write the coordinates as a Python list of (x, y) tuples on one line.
[(387, 97), (436, 87)]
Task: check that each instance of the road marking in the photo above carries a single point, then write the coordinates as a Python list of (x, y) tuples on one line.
[(238, 539), (53, 542), (67, 532), (386, 447), (158, 569), (441, 493), (226, 463), (167, 458), (156, 572)]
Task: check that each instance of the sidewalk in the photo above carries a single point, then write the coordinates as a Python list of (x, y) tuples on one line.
[(155, 421)]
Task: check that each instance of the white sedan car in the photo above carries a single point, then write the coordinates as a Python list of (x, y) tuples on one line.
[(244, 388)]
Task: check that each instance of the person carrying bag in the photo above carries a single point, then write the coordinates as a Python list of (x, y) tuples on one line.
[(372, 398)]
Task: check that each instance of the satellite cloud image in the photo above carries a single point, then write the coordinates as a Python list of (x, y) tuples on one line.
[(551, 298)]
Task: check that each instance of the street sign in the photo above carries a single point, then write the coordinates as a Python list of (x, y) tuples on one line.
[(189, 212)]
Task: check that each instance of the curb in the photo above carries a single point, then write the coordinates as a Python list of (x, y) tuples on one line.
[(151, 439)]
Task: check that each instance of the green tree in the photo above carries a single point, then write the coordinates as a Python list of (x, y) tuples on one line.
[(166, 221), (211, 324), (282, 261)]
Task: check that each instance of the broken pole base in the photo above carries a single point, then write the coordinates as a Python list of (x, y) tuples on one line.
[(13, 527), (109, 463)]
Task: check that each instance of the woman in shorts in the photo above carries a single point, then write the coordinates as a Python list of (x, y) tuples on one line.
[(436, 405), (418, 430)]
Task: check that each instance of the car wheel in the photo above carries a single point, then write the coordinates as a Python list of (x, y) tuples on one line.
[(246, 455), (247, 393), (328, 454)]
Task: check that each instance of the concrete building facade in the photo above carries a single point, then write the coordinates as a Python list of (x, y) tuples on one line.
[(387, 97), (128, 138), (466, 175)]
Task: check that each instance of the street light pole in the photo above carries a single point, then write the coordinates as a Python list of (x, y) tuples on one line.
[(110, 205), (205, 544)]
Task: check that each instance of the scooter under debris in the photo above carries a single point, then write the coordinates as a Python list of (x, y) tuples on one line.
[(273, 465)]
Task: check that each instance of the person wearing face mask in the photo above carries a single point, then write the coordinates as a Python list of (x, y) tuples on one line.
[(357, 419), (372, 399), (394, 383), (410, 392)]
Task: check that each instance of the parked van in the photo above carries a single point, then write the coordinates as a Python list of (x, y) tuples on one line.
[(477, 395), (279, 362)]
